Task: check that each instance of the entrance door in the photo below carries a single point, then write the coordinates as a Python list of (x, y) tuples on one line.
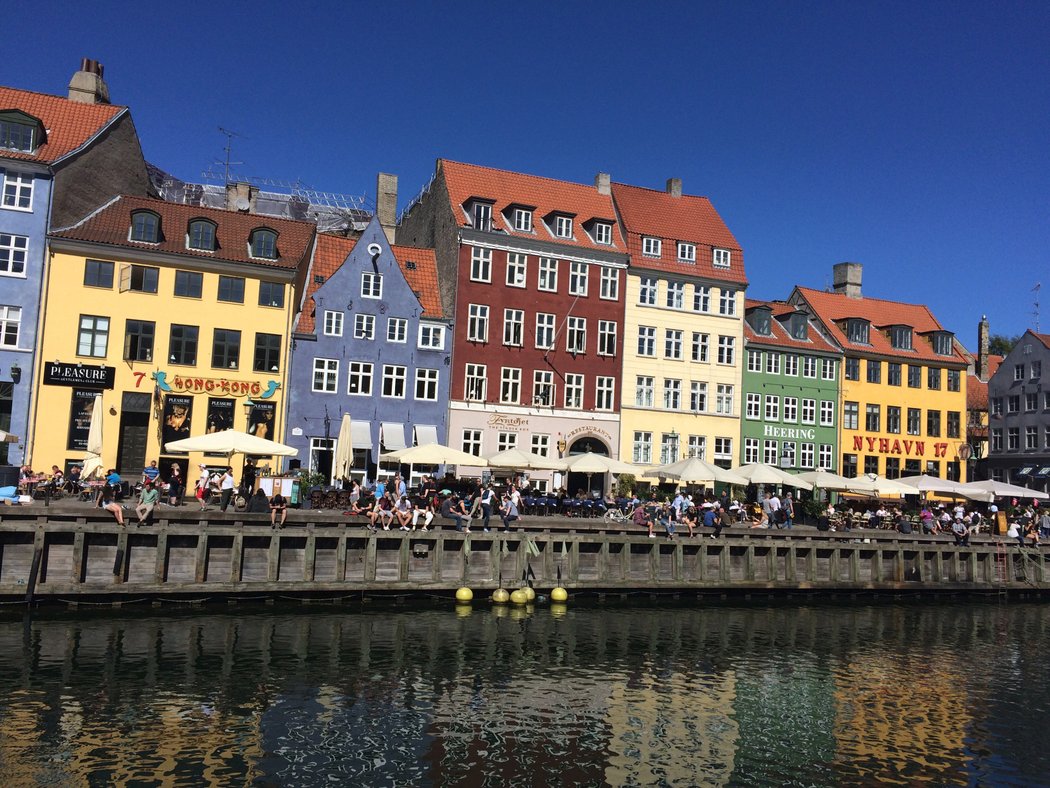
[(322, 452), (134, 434), (579, 481)]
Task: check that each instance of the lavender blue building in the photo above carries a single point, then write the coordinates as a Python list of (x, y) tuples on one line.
[(372, 341)]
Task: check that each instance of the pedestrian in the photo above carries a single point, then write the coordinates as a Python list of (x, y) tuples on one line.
[(248, 476), (203, 483), (147, 502), (226, 488), (509, 512), (789, 511), (278, 508), (1044, 524), (176, 485), (488, 499)]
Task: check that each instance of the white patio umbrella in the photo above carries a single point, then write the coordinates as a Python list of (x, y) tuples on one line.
[(762, 473), (826, 480), (344, 450), (927, 484), (887, 487), (520, 460), (434, 454), (1004, 490), (232, 442), (693, 470), (591, 463), (93, 461), (7, 437)]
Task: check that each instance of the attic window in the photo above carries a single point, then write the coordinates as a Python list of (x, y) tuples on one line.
[(145, 227), (563, 226), (318, 279), (900, 337), (686, 252), (482, 216), (410, 266), (523, 220), (942, 343), (264, 244), (17, 136), (798, 325), (858, 331), (603, 233), (762, 322), (201, 235), (651, 246), (720, 258)]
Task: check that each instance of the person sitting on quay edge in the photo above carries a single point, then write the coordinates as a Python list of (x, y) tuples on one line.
[(107, 500), (259, 503), (278, 508), (508, 512), (148, 498), (382, 513), (641, 517), (452, 508), (713, 519), (424, 509), (961, 532), (902, 523), (690, 518), (403, 512)]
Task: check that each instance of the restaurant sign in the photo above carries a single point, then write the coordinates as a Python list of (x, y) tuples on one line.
[(57, 373), (223, 387), (897, 446)]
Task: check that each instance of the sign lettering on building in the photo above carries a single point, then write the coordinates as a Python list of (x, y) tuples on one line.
[(60, 374), (791, 433), (588, 431), (897, 446), (514, 423), (222, 387)]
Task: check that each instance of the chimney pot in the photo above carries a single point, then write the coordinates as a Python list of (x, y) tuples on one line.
[(87, 85), (602, 183), (674, 187)]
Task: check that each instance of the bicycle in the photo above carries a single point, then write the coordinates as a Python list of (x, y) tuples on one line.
[(615, 515)]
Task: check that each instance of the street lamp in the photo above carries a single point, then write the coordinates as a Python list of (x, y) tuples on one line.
[(248, 405)]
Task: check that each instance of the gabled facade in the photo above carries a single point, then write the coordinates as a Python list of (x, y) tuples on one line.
[(534, 271), (1019, 414), (903, 381), (373, 342), (179, 316), (790, 416), (683, 328), (58, 158)]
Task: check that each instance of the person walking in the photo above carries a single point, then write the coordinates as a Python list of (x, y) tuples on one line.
[(488, 498), (789, 511), (203, 483), (176, 485), (226, 488), (148, 498)]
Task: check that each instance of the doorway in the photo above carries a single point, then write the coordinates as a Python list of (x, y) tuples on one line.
[(580, 481), (134, 434)]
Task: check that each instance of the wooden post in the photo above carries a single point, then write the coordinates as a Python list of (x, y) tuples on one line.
[(791, 564), (854, 565), (574, 561), (77, 570), (236, 558), (436, 558), (160, 567), (273, 558), (370, 559), (402, 559), (34, 568), (938, 566), (310, 557), (876, 566), (749, 561), (201, 559), (340, 557), (118, 558)]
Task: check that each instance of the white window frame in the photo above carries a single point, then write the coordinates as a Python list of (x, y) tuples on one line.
[(505, 441), (17, 187), (644, 392), (672, 394), (475, 383), (603, 233), (470, 442), (513, 319), (772, 363), (790, 411), (548, 275), (752, 406), (607, 337), (396, 375), (751, 446), (642, 448), (698, 396), (721, 258), (791, 364), (359, 373), (364, 326), (806, 456), (726, 350), (543, 388), (576, 334), (478, 323), (481, 216), (10, 325), (609, 286), (517, 269), (772, 407), (827, 368), (98, 330), (686, 252), (727, 302), (701, 351), (333, 323), (510, 385), (605, 393), (563, 227), (673, 344), (371, 285), (480, 264), (578, 275), (397, 330), (522, 220), (431, 337), (675, 297), (826, 457), (541, 444), (723, 448), (328, 369), (702, 299), (724, 399), (545, 327), (809, 411), (697, 447), (651, 247), (429, 381), (647, 341), (809, 367), (647, 290), (754, 360), (14, 253), (574, 391), (769, 452), (827, 413)]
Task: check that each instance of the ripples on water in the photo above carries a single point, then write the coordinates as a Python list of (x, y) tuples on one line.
[(917, 694)]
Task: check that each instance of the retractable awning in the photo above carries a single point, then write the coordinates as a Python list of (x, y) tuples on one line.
[(426, 433), (392, 436), (361, 435)]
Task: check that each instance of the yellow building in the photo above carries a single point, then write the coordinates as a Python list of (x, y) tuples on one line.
[(683, 328), (903, 392), (179, 317)]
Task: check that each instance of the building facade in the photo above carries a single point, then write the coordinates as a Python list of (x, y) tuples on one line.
[(372, 342), (903, 391), (179, 317), (790, 390), (683, 328), (1019, 414)]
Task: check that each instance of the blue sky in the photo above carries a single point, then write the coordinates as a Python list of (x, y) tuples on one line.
[(910, 137)]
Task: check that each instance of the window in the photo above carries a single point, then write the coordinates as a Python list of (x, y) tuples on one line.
[(145, 227), (955, 380), (10, 322), (510, 386), (99, 273), (871, 464), (954, 424), (18, 190), (809, 411), (702, 299), (513, 327), (723, 449), (271, 294), (651, 247), (264, 244), (668, 447), (1037, 372), (606, 338), (686, 252), (93, 337), (893, 373), (548, 275), (724, 399), (697, 396), (563, 226), (17, 136), (809, 366), (139, 278), (480, 264), (754, 361), (610, 284), (474, 389), (188, 284), (646, 341), (394, 377), (791, 409), (914, 376), (753, 406), (914, 421), (478, 323), (138, 340), (472, 442), (672, 394), (787, 455), (851, 369), (371, 285), (850, 415), (805, 459), (893, 419), (769, 452), (517, 269), (359, 378), (523, 220), (933, 423), (893, 468), (726, 349), (673, 344), (576, 335), (1013, 438), (721, 258), (849, 465), (642, 451), (182, 345), (858, 331), (573, 391), (226, 348), (697, 447), (365, 327), (874, 371), (643, 391), (201, 235), (506, 441), (1031, 401), (396, 329), (727, 302), (544, 330), (701, 347), (231, 289), (772, 407), (933, 378), (942, 343), (772, 363), (750, 450), (267, 353), (543, 388), (603, 233), (873, 418), (326, 375), (604, 393), (333, 323), (1013, 404), (1018, 371), (647, 291), (482, 219), (900, 337), (431, 337), (13, 251), (996, 405), (827, 413), (578, 279), (675, 295), (541, 445), (827, 368)]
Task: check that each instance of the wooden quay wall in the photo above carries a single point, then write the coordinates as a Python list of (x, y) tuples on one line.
[(66, 556)]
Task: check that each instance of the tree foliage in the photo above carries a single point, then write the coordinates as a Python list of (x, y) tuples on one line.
[(1000, 344)]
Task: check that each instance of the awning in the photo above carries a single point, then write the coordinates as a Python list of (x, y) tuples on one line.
[(361, 435), (1025, 471), (426, 433), (392, 435), (1043, 472)]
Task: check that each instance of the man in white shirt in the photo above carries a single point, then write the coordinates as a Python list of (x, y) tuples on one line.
[(226, 487)]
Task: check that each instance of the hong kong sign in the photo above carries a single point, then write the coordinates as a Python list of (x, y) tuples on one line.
[(189, 384), (58, 374), (896, 446)]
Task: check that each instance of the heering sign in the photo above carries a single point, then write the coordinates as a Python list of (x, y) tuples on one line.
[(792, 433), (57, 373)]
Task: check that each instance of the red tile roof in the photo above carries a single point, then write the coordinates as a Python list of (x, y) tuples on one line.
[(110, 225), (657, 214), (545, 195), (68, 124), (831, 308), (779, 335), (1044, 338), (331, 253), (976, 393)]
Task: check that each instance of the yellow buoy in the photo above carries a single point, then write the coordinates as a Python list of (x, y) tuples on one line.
[(462, 611), (529, 592), (500, 596), (519, 597), (559, 594), (558, 610), (464, 594)]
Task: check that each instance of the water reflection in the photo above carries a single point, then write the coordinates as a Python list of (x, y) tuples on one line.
[(622, 695)]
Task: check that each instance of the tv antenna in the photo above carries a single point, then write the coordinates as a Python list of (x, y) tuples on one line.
[(228, 149), (1035, 304)]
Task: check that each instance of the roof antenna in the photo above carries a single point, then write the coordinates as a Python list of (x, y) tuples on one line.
[(1035, 304), (229, 147)]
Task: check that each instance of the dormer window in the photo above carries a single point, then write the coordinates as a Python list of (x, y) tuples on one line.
[(943, 343), (145, 227), (563, 226), (201, 235), (900, 337), (686, 252), (761, 321), (720, 258), (651, 247), (858, 331), (798, 325), (264, 244), (603, 233), (481, 216), (523, 220), (20, 132)]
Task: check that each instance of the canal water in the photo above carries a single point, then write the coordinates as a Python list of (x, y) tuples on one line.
[(631, 693)]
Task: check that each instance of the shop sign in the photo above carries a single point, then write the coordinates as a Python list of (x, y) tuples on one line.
[(80, 418), (57, 373), (897, 446), (513, 423), (588, 431), (791, 433), (222, 387), (178, 414)]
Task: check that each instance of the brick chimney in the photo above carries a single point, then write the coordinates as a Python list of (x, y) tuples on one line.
[(87, 85), (674, 187), (983, 349), (386, 204), (847, 278), (602, 183), (241, 197)]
